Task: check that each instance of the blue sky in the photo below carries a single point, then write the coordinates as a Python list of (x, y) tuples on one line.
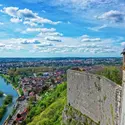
[(61, 28)]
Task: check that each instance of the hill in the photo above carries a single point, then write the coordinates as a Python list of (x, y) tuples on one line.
[(48, 111)]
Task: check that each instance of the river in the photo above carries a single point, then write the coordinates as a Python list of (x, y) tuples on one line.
[(7, 89)]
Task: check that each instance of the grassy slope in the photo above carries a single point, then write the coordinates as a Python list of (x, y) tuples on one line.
[(51, 107)]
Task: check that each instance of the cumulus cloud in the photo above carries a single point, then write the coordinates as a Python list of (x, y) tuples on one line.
[(74, 3), (42, 34), (45, 44), (47, 33), (86, 9), (9, 47), (113, 15), (54, 39), (12, 11), (40, 30), (79, 49), (15, 20), (30, 42), (2, 45), (69, 45), (86, 38), (27, 15), (32, 24)]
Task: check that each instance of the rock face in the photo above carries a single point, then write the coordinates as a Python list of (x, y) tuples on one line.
[(95, 97)]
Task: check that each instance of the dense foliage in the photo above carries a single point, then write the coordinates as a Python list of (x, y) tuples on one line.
[(48, 111), (113, 73), (8, 100), (2, 111), (1, 94)]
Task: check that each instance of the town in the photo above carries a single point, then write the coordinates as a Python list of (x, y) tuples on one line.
[(7, 63), (31, 78)]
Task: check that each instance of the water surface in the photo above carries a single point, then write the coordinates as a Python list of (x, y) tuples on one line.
[(7, 89)]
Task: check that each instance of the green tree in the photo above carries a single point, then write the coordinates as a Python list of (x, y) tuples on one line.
[(1, 94)]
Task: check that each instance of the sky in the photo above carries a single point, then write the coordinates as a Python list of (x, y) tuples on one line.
[(62, 28)]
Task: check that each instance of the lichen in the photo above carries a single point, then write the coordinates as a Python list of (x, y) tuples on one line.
[(75, 117), (112, 113), (104, 97)]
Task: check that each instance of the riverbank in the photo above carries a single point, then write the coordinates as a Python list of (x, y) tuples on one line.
[(9, 81), (8, 89), (7, 100)]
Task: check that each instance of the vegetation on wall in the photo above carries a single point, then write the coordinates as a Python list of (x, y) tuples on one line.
[(71, 116)]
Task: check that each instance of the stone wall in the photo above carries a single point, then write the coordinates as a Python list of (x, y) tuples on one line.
[(94, 96), (123, 101), (72, 116)]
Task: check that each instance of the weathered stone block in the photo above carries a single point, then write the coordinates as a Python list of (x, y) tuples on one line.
[(94, 96)]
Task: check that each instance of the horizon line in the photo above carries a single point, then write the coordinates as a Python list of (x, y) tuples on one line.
[(67, 57)]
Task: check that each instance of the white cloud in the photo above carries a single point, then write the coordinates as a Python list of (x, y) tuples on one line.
[(47, 33), (15, 20), (12, 11), (1, 23), (54, 39), (30, 42), (68, 22), (78, 49), (89, 39), (44, 34), (45, 44), (27, 15), (9, 47), (123, 44), (113, 15), (43, 11), (44, 30), (2, 45), (87, 9), (98, 28), (41, 20), (68, 46), (32, 24)]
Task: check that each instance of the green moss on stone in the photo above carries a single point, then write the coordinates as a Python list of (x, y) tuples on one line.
[(112, 113), (75, 117)]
